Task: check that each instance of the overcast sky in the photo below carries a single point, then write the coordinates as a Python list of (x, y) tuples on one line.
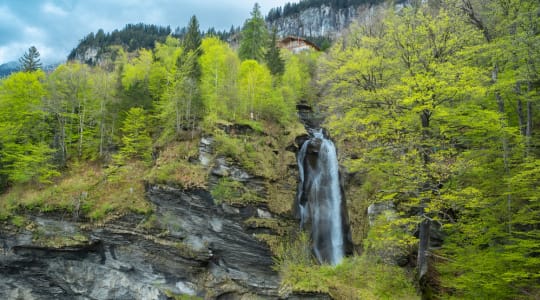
[(56, 26)]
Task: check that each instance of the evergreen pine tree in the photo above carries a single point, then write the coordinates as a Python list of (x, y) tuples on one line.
[(30, 60), (273, 58), (192, 39), (254, 36), (192, 49)]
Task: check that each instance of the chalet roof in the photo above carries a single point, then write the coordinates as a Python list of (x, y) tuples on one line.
[(290, 39)]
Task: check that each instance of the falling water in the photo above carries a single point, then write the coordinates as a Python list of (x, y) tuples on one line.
[(319, 197)]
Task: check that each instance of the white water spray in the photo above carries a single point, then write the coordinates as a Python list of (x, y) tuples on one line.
[(319, 197)]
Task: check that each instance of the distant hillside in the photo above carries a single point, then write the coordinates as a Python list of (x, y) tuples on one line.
[(318, 20), (8, 68), (94, 47), (131, 37)]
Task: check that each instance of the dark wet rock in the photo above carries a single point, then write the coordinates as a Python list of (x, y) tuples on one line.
[(303, 107), (292, 148), (198, 248), (223, 168), (237, 129), (300, 140)]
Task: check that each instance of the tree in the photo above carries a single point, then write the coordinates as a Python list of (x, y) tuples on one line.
[(259, 99), (254, 37), (219, 80), (30, 60), (136, 141), (297, 85), (192, 39), (25, 155), (273, 56), (192, 47), (73, 104)]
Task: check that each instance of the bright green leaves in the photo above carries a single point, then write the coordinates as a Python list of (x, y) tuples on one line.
[(137, 71), (136, 142), (418, 109), (24, 153), (297, 80), (258, 97), (220, 67)]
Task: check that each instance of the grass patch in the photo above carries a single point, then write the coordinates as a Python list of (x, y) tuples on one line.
[(173, 167), (58, 241), (86, 190), (354, 278), (234, 192), (280, 199), (254, 153), (281, 227), (18, 221), (358, 277)]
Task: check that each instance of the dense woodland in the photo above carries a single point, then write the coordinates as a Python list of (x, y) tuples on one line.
[(434, 108), (436, 105)]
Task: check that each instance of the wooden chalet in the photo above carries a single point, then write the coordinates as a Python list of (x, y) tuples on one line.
[(297, 44)]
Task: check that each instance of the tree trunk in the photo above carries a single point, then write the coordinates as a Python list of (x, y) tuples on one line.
[(423, 247), (506, 150), (528, 132), (521, 119), (102, 127), (81, 127)]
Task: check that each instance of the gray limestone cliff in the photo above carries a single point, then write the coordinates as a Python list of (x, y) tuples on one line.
[(323, 21)]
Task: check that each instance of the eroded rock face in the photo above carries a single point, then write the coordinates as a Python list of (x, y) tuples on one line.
[(199, 248), (316, 22)]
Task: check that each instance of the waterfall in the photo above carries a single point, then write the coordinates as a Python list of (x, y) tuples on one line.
[(319, 197)]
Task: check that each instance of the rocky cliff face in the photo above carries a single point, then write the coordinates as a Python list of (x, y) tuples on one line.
[(190, 246), (194, 247), (323, 21)]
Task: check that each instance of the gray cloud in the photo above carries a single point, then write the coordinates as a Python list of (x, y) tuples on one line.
[(56, 26)]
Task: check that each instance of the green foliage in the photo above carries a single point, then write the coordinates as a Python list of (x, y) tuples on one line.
[(234, 192), (219, 80), (258, 97), (30, 60), (414, 111), (85, 191), (354, 278), (172, 167), (192, 50), (192, 39), (254, 37), (24, 154), (273, 56), (131, 38), (250, 152), (18, 221), (77, 105), (292, 8), (298, 85), (390, 238), (136, 142)]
